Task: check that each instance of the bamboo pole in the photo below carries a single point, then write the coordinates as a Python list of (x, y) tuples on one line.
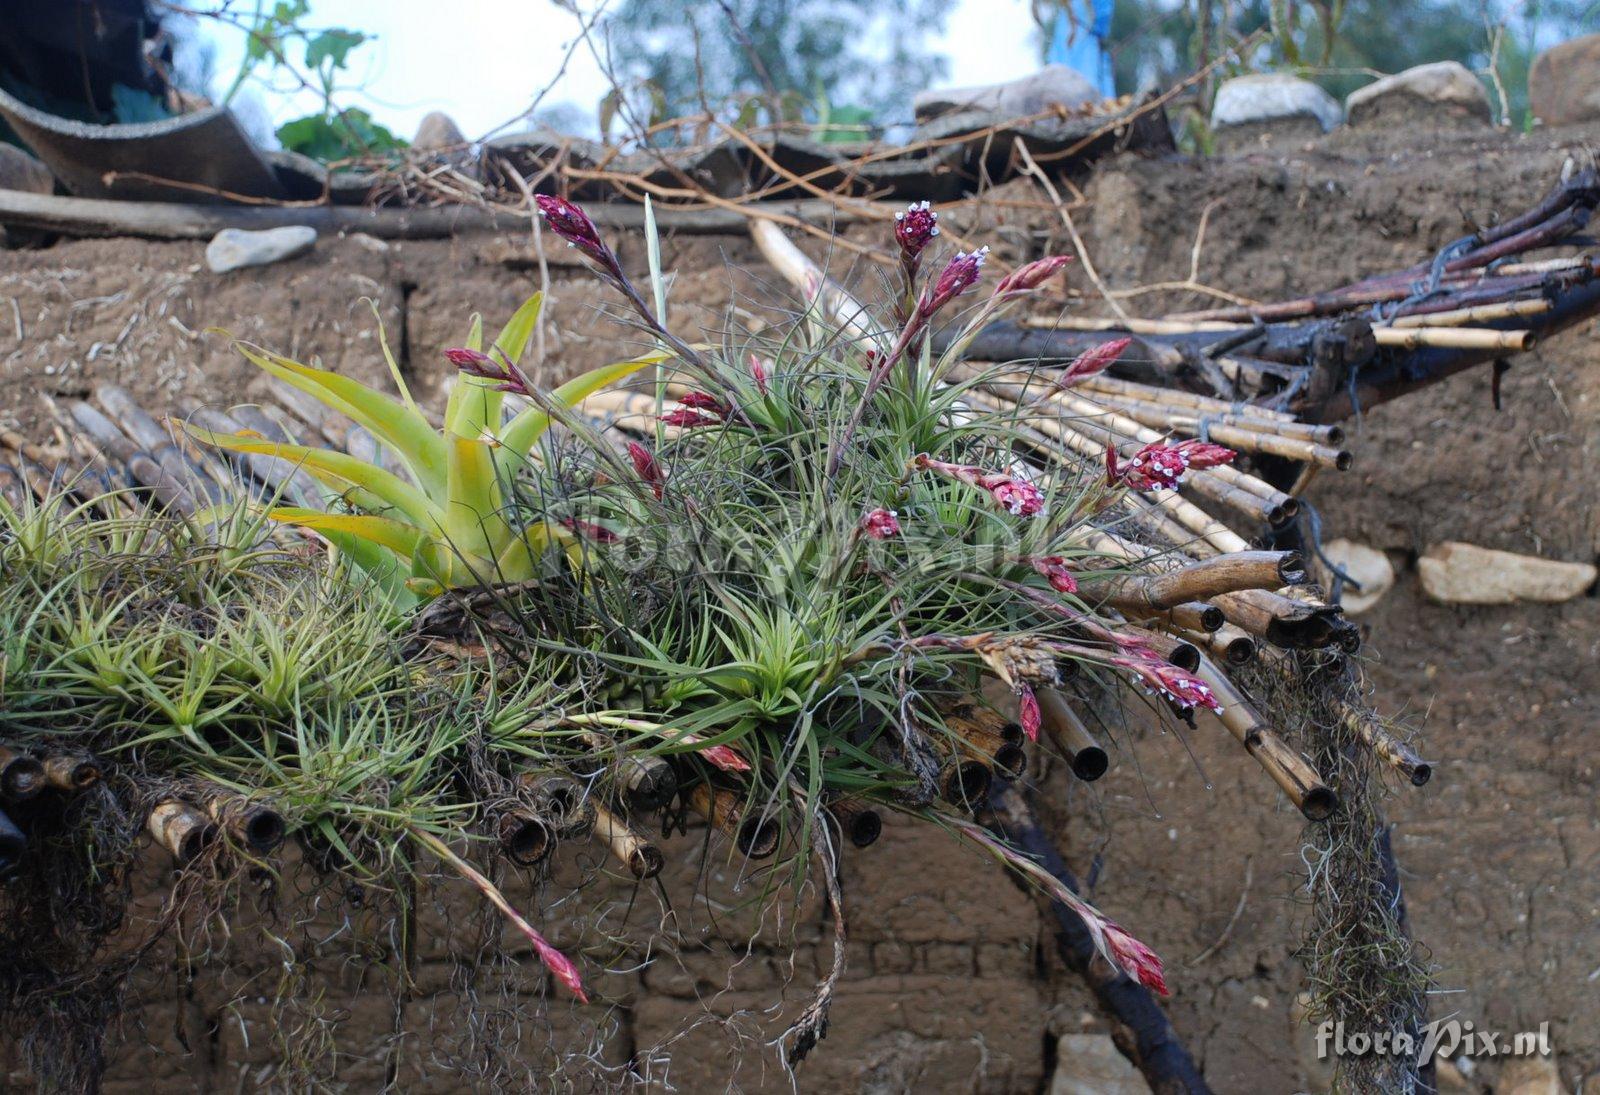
[(21, 776), (1246, 435), (1178, 651), (180, 829), (1288, 769), (1453, 338), (1282, 621), (256, 825), (642, 858), (1179, 397), (1196, 616), (1390, 749), (525, 839), (71, 772), (755, 837), (1113, 325), (1233, 645), (1481, 313), (648, 782), (1069, 735), (859, 822), (1200, 581)]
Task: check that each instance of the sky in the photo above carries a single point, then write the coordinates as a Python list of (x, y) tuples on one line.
[(486, 60)]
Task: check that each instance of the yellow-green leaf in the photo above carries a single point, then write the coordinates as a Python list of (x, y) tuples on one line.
[(397, 536)]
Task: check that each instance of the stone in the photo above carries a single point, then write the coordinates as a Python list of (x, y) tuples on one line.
[(235, 248), (1368, 567), (369, 243), (20, 170), (1564, 82), (1530, 1076), (1444, 91), (1051, 86), (1458, 573), (1271, 109), (438, 130), (1089, 1064)]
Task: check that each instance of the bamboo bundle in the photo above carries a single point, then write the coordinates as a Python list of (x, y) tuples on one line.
[(1239, 432), (989, 739)]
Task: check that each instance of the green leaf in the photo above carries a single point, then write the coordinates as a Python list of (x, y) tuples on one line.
[(332, 45), (525, 430)]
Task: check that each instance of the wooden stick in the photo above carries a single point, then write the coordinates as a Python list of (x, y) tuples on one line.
[(642, 858), (1390, 749), (180, 829), (1453, 338), (1200, 581), (755, 837), (1287, 768), (1113, 325), (1482, 313), (1066, 731), (21, 776)]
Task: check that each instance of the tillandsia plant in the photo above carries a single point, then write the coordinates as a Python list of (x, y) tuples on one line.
[(440, 517), (825, 548)]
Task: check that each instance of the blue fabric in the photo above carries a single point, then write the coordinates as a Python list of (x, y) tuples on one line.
[(1085, 51)]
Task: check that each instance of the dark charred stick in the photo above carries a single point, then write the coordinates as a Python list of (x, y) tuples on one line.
[(1145, 1033), (21, 776), (1067, 732), (755, 837)]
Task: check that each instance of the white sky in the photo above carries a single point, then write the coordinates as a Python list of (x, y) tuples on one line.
[(483, 61)]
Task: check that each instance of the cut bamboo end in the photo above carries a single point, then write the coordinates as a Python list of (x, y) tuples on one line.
[(860, 823), (21, 776), (1288, 769), (180, 829), (987, 736), (13, 845), (1231, 644), (755, 837), (256, 825), (1287, 622), (71, 772), (642, 858), (1390, 749), (526, 840), (1069, 735), (965, 781), (649, 782), (560, 799)]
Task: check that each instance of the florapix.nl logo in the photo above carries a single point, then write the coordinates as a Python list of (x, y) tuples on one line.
[(1447, 1038)]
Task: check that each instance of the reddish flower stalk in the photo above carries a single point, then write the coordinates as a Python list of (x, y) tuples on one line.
[(698, 409), (644, 462), (1164, 679), (1092, 362), (1161, 464), (1054, 569), (1015, 496), (590, 530), (1026, 279), (1136, 959), (880, 523), (761, 373), (485, 367), (1028, 712), (573, 225)]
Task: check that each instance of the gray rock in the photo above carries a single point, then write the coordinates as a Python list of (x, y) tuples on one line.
[(235, 248), (1287, 102), (1564, 82), (19, 170), (438, 130), (1089, 1064), (1051, 86), (1367, 566), (1442, 91)]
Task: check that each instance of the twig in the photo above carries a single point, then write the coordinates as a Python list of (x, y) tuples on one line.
[(1227, 930), (1031, 167)]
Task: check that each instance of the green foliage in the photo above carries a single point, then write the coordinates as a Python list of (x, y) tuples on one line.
[(341, 135)]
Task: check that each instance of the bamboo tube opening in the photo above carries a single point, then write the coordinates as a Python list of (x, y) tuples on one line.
[(180, 829), (756, 837), (1229, 643), (1088, 761), (1390, 749), (527, 841), (71, 772), (986, 736), (642, 858), (256, 825), (860, 823), (1197, 616), (561, 800), (965, 781), (648, 781), (21, 776)]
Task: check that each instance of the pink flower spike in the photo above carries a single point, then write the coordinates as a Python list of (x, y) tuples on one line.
[(726, 758), (487, 367), (959, 274), (760, 372), (644, 462), (1015, 496), (1030, 277), (1137, 960), (573, 225), (1028, 712), (687, 419), (1165, 679), (914, 229), (590, 530), (1093, 361), (880, 523), (1161, 464), (1054, 569)]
